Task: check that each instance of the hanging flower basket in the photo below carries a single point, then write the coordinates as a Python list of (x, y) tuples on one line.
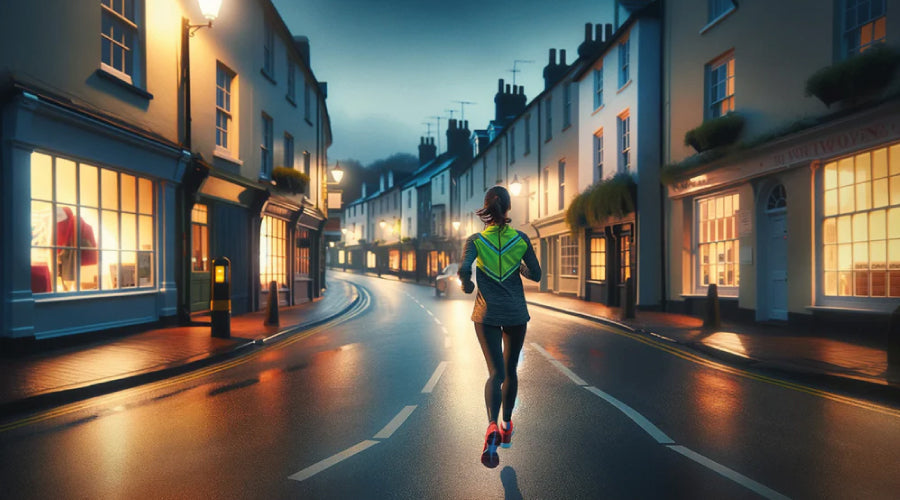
[(855, 78), (611, 197), (715, 133), (290, 180)]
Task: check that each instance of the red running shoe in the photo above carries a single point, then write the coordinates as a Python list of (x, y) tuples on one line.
[(489, 455), (506, 435)]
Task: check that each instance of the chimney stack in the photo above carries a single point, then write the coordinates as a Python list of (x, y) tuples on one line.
[(427, 150), (508, 102), (458, 143)]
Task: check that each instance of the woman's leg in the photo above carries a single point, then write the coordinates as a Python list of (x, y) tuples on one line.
[(513, 340), (490, 338)]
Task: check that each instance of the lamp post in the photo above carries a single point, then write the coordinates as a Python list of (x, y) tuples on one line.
[(194, 174)]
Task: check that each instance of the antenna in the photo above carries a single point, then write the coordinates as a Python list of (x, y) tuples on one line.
[(515, 69), (462, 109), (451, 111), (428, 124), (438, 118)]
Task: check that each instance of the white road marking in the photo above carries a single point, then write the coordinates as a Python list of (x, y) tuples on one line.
[(737, 477), (395, 424), (437, 321), (429, 312), (561, 367), (314, 469), (420, 305), (661, 436), (444, 328), (434, 378), (639, 419)]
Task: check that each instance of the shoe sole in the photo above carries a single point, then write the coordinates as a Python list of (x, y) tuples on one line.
[(489, 457), (507, 444)]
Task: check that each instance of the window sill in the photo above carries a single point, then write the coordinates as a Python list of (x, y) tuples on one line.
[(566, 127), (726, 295), (290, 100), (308, 121), (719, 19), (599, 109), (624, 86), (116, 79), (568, 277), (92, 295), (267, 76), (224, 154)]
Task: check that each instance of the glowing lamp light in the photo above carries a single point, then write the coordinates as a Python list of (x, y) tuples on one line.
[(210, 9), (343, 230), (515, 187), (382, 223), (456, 225), (220, 274), (337, 172)]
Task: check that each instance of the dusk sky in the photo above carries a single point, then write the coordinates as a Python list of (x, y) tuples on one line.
[(392, 65)]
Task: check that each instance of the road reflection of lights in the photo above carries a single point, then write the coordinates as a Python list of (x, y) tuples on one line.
[(719, 399), (727, 341)]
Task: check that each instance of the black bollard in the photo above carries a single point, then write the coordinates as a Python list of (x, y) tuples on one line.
[(272, 306), (893, 350), (713, 319), (220, 301)]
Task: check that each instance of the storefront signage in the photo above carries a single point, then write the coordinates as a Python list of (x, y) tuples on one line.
[(824, 147)]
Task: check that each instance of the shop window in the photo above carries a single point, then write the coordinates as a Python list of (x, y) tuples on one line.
[(625, 242), (92, 228), (200, 238), (272, 252), (301, 253), (598, 258), (717, 243), (409, 260), (394, 260), (861, 225), (568, 253)]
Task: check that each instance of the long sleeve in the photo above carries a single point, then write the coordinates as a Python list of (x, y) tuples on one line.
[(530, 267), (469, 255)]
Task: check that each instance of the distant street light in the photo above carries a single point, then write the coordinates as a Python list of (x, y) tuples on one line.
[(337, 172), (456, 225), (515, 187)]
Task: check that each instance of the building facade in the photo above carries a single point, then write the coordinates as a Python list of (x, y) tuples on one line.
[(795, 218), (125, 175)]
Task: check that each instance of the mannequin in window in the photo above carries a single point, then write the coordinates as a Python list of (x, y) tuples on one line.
[(68, 228)]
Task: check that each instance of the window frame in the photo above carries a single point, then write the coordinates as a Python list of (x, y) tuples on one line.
[(623, 122), (288, 150), (228, 93), (600, 264), (132, 56), (267, 146), (268, 68), (568, 256), (598, 88), (624, 62), (697, 264), (847, 33), (598, 154), (548, 118), (291, 81), (561, 177), (567, 105), (714, 107)]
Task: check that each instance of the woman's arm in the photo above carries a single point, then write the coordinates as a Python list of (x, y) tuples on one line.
[(465, 267), (530, 267)]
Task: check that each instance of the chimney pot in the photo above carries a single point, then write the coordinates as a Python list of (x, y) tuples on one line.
[(552, 57), (562, 57), (500, 85), (609, 32), (507, 88), (587, 32), (599, 33)]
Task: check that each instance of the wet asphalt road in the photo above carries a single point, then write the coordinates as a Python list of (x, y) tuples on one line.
[(387, 402)]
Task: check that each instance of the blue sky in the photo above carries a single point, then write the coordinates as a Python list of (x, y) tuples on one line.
[(390, 65)]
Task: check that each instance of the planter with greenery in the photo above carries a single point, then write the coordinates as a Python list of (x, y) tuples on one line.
[(290, 180), (856, 78), (611, 197), (715, 133)]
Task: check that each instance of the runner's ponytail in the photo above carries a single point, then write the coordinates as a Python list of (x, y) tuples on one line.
[(496, 206)]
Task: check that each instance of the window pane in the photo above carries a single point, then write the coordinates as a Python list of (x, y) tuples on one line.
[(844, 229), (145, 195), (830, 257), (109, 270), (877, 229), (895, 160), (109, 230), (828, 231), (878, 255), (145, 269), (880, 193), (845, 257), (90, 194), (831, 202), (879, 163), (830, 176), (128, 193), (893, 222), (109, 189), (830, 283), (65, 181), (845, 196), (845, 172), (128, 273), (860, 227), (145, 232), (863, 167), (129, 232), (41, 176), (863, 196), (895, 189)]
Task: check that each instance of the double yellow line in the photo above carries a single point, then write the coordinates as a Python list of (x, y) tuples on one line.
[(689, 356), (109, 399)]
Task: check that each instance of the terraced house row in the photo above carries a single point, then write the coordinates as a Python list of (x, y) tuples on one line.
[(709, 143), (143, 140)]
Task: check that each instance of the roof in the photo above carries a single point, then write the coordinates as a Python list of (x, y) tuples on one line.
[(424, 174)]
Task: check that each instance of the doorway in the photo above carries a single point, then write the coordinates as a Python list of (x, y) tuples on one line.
[(775, 247)]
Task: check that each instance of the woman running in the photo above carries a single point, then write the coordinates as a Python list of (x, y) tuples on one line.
[(500, 314)]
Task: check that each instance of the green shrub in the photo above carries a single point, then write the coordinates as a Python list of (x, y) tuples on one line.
[(857, 77), (715, 133), (611, 197), (290, 180)]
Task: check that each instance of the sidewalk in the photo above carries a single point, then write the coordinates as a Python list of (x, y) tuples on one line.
[(840, 363), (62, 376)]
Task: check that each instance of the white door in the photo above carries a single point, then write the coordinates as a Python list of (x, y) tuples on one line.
[(777, 264)]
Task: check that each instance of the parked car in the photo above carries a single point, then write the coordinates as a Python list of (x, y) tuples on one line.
[(447, 282)]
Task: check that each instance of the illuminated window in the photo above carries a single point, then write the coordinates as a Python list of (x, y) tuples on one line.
[(92, 228), (273, 252), (598, 258), (200, 238), (864, 25), (301, 253), (409, 260), (568, 255), (120, 38), (224, 116), (625, 242), (720, 86), (717, 243), (394, 259), (861, 225)]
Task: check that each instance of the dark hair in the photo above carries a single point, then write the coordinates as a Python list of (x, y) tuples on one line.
[(496, 205)]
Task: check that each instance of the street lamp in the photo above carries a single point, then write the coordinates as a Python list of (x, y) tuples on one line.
[(210, 9), (515, 187), (337, 172), (456, 224)]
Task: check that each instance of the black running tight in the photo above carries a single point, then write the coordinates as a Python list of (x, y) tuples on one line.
[(501, 347)]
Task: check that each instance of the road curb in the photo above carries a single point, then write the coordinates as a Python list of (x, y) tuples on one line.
[(66, 396)]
